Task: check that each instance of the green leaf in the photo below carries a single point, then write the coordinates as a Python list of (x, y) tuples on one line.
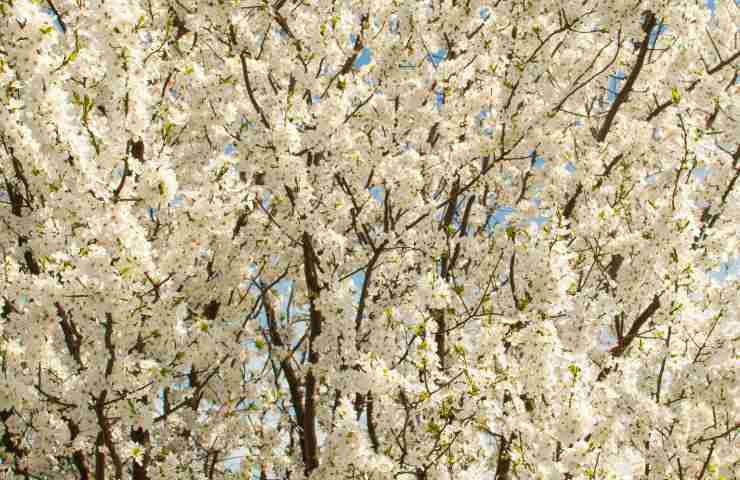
[(87, 103), (511, 233), (433, 428), (167, 130), (222, 171), (574, 371), (524, 302), (446, 411), (675, 96)]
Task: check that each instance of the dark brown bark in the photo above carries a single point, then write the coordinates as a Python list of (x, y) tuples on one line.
[(310, 440)]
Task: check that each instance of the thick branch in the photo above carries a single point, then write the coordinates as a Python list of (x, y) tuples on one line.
[(503, 463), (58, 15), (637, 326), (107, 439), (250, 92), (71, 336), (310, 440), (366, 287), (371, 423), (624, 93), (141, 437), (290, 375), (724, 63), (12, 444)]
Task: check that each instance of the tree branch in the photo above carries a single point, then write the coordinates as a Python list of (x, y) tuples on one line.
[(624, 93), (310, 439), (250, 92)]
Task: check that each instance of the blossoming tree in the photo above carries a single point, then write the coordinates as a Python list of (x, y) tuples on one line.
[(252, 238)]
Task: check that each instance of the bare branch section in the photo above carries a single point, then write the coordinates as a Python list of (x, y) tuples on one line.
[(310, 439), (649, 22), (58, 16), (250, 91), (660, 108), (637, 325), (294, 384)]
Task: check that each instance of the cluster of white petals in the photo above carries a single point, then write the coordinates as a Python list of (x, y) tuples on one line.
[(377, 239)]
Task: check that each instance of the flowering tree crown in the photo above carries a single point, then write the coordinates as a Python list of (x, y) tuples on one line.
[(267, 238)]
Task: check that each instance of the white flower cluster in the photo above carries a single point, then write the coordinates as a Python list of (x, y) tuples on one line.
[(378, 240)]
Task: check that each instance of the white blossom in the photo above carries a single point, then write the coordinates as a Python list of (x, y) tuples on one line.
[(378, 239)]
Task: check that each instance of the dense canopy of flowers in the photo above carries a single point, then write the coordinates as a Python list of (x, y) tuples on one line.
[(369, 239)]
